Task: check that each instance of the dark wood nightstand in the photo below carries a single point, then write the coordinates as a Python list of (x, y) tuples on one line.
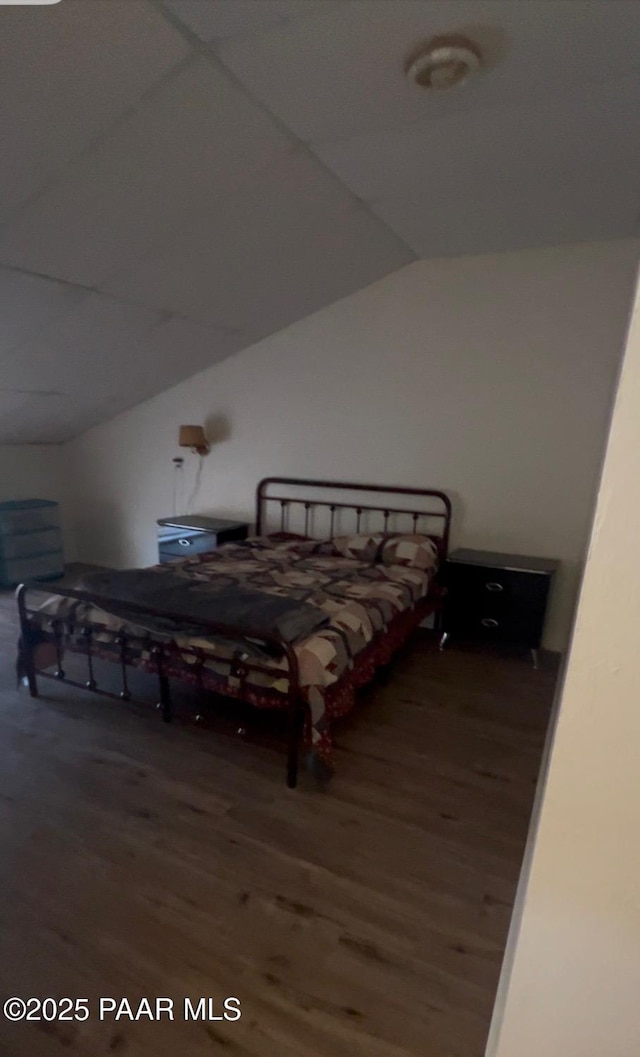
[(180, 536), (496, 598)]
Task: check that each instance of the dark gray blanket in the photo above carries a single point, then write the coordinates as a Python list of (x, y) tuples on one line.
[(223, 600)]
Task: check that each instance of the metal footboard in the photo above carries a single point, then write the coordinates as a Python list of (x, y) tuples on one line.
[(161, 651)]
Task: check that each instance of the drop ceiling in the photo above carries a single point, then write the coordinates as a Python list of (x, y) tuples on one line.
[(179, 179)]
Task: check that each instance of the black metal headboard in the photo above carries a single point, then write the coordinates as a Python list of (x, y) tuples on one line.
[(403, 509)]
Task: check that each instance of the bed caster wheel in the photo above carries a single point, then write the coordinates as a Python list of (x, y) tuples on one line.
[(60, 673), (90, 684), (198, 717), (241, 731), (124, 695)]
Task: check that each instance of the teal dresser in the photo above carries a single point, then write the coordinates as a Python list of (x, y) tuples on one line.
[(30, 541)]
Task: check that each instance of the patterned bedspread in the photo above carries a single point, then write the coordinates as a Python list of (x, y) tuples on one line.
[(362, 584)]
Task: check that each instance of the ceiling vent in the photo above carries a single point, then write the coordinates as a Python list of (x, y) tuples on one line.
[(443, 62)]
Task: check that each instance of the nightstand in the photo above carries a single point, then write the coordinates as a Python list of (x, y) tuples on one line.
[(181, 536), (496, 598)]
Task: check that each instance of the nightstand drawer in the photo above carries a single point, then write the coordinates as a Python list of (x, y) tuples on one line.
[(496, 590), (196, 534), (188, 543), (492, 603), (512, 626), (482, 588)]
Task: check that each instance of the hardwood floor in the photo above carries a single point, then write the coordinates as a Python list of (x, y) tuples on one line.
[(140, 860)]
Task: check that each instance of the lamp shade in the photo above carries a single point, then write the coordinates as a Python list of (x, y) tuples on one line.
[(193, 437)]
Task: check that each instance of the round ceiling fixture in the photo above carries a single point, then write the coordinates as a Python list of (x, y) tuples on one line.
[(443, 62)]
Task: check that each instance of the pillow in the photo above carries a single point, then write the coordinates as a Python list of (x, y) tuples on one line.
[(364, 548), (288, 543), (416, 552)]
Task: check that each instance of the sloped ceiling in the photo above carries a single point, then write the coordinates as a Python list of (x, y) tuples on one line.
[(179, 179)]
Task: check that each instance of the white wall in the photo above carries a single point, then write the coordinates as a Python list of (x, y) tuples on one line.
[(575, 972), (490, 377), (39, 471)]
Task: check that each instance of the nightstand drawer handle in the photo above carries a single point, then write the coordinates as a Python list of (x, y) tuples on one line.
[(185, 543), (494, 586), (489, 622)]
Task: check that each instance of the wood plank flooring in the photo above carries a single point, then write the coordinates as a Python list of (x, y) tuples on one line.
[(144, 860)]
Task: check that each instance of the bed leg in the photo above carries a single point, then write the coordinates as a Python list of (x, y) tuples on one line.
[(26, 644), (165, 699), (296, 722), (29, 665), (164, 703), (31, 674)]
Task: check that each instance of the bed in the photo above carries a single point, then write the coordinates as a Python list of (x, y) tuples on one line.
[(297, 617)]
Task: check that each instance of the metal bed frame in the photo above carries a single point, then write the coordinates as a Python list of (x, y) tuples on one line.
[(239, 667)]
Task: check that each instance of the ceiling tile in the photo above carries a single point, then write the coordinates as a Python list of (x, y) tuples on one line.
[(102, 355), (83, 350), (266, 286), (498, 147), (67, 73), (294, 199), (346, 76), (453, 223), (12, 405), (27, 305), (217, 19), (194, 140), (36, 419), (174, 349), (261, 286)]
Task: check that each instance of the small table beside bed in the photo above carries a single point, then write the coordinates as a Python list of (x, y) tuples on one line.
[(297, 617)]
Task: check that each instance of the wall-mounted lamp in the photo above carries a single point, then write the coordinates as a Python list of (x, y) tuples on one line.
[(194, 437)]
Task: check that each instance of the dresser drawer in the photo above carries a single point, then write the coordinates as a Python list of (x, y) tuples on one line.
[(40, 567), (29, 544), (28, 515)]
